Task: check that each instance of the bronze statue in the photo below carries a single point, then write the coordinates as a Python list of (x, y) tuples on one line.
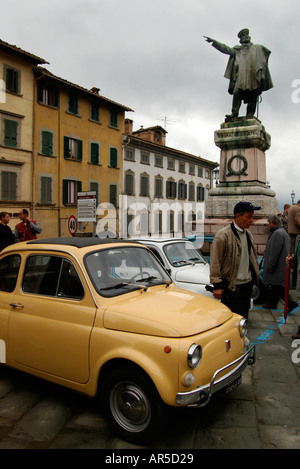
[(247, 70)]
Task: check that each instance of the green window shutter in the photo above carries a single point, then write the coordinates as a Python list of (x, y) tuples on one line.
[(65, 191), (113, 195), (47, 143), (79, 150), (66, 148), (73, 103), (40, 89), (114, 119), (46, 190), (10, 133), (94, 186), (8, 185), (94, 153), (113, 157)]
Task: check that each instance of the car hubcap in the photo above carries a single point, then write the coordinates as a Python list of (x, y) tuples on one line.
[(130, 407)]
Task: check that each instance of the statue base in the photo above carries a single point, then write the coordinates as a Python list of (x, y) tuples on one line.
[(243, 142)]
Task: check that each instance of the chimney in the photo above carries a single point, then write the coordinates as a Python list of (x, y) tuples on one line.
[(95, 90), (128, 126)]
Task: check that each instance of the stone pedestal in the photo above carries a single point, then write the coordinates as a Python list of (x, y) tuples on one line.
[(243, 143)]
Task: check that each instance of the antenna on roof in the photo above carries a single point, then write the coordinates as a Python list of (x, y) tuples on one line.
[(166, 121)]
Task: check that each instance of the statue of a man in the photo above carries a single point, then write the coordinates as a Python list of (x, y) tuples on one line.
[(247, 70)]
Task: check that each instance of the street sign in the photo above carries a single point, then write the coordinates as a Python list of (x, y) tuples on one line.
[(72, 224), (86, 206)]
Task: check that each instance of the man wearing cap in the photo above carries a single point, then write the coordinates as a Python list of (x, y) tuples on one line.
[(233, 261), (247, 70)]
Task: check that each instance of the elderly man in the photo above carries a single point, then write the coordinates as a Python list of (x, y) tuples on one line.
[(233, 261), (276, 253), (247, 71)]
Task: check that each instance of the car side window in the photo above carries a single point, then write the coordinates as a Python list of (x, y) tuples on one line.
[(70, 285), (51, 276), (9, 269)]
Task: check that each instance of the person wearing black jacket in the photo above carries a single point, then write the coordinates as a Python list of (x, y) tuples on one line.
[(6, 235)]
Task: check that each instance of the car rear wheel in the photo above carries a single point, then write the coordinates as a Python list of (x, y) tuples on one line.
[(134, 409)]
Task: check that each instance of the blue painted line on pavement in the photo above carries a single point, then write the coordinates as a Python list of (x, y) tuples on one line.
[(268, 332)]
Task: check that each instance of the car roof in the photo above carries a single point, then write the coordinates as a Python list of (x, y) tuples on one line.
[(79, 242), (160, 240)]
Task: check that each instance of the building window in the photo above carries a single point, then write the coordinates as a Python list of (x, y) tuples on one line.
[(73, 104), (171, 164), (145, 158), (129, 181), (200, 172), (158, 161), (145, 186), (12, 79), (72, 149), (47, 143), (113, 120), (181, 167), (95, 112), (192, 169), (46, 190), (10, 133), (94, 153), (171, 189), (191, 191), (113, 194), (158, 187), (70, 190), (129, 155), (8, 185), (47, 94), (113, 157), (94, 186), (182, 191), (200, 194)]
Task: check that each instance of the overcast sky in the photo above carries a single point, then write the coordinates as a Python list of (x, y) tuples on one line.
[(151, 56)]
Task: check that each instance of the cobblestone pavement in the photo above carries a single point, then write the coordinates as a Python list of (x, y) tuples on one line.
[(262, 413)]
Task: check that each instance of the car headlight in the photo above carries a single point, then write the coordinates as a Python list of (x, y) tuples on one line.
[(243, 327), (194, 355)]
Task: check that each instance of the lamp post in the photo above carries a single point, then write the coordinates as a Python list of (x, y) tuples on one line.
[(293, 196)]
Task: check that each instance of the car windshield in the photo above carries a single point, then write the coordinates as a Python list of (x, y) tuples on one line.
[(116, 271), (183, 253)]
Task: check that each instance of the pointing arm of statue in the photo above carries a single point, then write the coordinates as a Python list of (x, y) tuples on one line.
[(220, 47)]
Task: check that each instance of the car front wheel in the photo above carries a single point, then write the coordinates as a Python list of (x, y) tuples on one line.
[(134, 409)]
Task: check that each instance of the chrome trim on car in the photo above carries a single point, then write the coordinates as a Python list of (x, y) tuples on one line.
[(200, 397)]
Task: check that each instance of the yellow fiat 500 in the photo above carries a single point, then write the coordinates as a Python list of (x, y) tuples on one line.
[(103, 317)]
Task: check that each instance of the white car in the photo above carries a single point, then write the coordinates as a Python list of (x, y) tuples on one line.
[(186, 266)]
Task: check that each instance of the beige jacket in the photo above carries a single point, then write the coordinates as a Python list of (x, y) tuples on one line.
[(225, 258)]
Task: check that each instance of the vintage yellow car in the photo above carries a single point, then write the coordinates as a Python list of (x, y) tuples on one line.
[(103, 317)]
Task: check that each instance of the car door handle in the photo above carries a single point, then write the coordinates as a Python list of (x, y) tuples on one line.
[(16, 305)]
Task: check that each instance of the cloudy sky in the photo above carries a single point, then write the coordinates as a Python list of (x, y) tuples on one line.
[(151, 56)]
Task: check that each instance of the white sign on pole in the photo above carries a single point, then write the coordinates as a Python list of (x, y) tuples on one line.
[(86, 206)]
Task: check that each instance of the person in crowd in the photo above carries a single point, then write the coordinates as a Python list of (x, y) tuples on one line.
[(293, 231), (27, 229), (276, 253), (284, 216), (233, 261), (6, 235)]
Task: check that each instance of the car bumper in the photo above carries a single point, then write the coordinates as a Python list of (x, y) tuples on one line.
[(200, 397)]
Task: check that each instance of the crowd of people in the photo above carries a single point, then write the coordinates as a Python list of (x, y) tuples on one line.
[(234, 265), (27, 229)]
